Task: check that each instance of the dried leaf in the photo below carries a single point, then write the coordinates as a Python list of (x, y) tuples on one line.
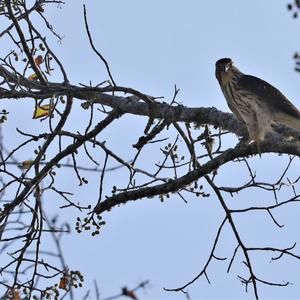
[(39, 60), (129, 294), (42, 111), (63, 283), (26, 164), (33, 77), (16, 295), (40, 9)]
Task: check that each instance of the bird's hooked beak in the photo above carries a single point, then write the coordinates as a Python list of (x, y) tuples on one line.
[(221, 69)]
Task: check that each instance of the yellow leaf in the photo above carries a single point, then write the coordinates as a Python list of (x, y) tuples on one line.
[(26, 164), (33, 77), (42, 111)]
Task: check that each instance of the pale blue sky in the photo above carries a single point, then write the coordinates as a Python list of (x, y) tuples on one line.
[(150, 46)]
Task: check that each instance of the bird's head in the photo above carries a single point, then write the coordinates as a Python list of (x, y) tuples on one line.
[(223, 67)]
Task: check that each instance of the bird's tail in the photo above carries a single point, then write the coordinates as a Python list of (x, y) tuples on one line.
[(289, 121)]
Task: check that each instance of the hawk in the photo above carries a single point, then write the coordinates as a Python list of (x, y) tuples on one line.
[(254, 101)]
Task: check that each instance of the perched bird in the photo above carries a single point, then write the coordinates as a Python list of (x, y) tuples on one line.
[(254, 101)]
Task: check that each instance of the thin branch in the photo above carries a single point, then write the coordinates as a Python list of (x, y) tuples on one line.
[(94, 48)]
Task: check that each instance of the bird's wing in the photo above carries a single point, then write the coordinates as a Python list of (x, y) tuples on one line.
[(269, 94)]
